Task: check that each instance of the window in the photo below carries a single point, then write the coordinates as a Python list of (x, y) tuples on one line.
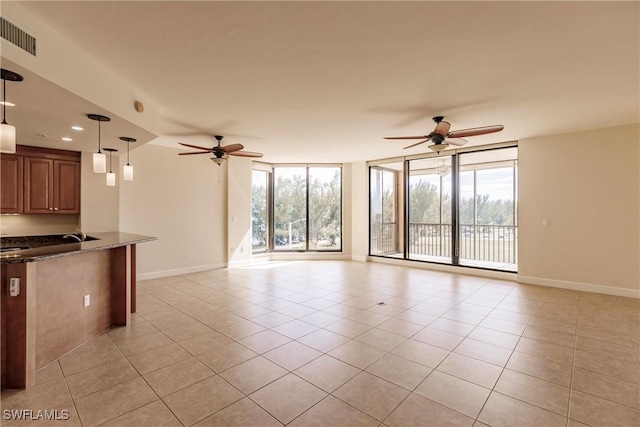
[(459, 209), (259, 211), (306, 208), (325, 213)]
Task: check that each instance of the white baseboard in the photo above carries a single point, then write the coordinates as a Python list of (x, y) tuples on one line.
[(361, 258), (179, 271), (578, 286)]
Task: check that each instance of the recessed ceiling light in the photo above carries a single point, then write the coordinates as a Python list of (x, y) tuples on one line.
[(77, 128), (7, 103), (67, 139)]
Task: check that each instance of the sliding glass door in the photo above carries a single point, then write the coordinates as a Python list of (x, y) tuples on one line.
[(429, 201), (384, 214), (488, 209), (458, 209)]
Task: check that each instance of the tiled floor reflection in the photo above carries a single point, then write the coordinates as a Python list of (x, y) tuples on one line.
[(333, 343)]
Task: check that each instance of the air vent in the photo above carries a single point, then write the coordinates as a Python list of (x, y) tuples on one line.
[(15, 35)]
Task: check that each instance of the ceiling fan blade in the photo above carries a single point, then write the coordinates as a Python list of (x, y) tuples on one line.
[(245, 154), (406, 137), (442, 128), (232, 147), (458, 142), (194, 152), (417, 143), (195, 146), (475, 131)]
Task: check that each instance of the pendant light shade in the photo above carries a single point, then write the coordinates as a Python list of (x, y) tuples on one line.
[(99, 162), (127, 173), (111, 177), (99, 158), (7, 132), (127, 170), (7, 138)]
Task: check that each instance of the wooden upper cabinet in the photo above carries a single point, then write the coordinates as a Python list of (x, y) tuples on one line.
[(11, 168), (66, 184), (38, 185), (50, 181)]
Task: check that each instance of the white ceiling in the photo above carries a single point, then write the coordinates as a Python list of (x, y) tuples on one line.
[(325, 81)]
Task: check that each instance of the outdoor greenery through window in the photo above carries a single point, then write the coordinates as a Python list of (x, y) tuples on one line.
[(259, 211), (307, 209)]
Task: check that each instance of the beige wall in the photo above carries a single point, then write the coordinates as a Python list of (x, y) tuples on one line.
[(587, 185), (239, 224), (33, 225), (359, 219), (180, 201), (100, 204)]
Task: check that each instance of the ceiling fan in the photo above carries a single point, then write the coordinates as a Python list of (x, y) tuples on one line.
[(442, 137), (221, 152)]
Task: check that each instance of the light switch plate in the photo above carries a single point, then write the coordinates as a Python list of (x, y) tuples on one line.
[(14, 286), (87, 300)]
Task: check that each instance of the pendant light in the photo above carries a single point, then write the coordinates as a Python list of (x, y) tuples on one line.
[(7, 132), (99, 158), (111, 177), (127, 170)]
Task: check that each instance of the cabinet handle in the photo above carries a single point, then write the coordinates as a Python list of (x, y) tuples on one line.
[(55, 209), (50, 209)]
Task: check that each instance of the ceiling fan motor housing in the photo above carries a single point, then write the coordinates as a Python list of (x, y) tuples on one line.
[(436, 138)]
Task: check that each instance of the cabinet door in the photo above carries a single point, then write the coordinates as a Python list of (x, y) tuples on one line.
[(11, 183), (38, 185), (66, 186)]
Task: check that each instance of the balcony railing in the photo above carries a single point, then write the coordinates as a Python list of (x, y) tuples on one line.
[(491, 243), (384, 238), (485, 243), (433, 240)]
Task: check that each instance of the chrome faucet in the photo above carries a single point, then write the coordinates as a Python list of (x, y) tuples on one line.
[(80, 236)]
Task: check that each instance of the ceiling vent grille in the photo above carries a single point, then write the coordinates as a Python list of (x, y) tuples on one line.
[(15, 35)]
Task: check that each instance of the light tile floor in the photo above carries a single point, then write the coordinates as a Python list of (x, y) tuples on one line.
[(308, 344)]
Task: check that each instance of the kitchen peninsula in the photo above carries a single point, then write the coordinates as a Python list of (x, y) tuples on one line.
[(68, 293)]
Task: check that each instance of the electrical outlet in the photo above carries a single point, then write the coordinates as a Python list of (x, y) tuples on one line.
[(87, 300), (4, 230)]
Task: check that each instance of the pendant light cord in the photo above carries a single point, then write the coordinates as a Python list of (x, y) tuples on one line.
[(110, 162), (128, 154), (4, 102), (99, 138)]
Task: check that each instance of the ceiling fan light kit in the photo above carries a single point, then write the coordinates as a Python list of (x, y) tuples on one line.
[(7, 132), (442, 138), (99, 158)]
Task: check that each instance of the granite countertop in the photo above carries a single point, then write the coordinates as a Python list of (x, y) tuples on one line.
[(46, 247)]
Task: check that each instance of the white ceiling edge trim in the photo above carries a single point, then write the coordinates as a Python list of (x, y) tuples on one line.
[(63, 63)]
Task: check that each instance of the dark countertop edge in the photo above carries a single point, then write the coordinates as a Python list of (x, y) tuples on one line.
[(108, 240)]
